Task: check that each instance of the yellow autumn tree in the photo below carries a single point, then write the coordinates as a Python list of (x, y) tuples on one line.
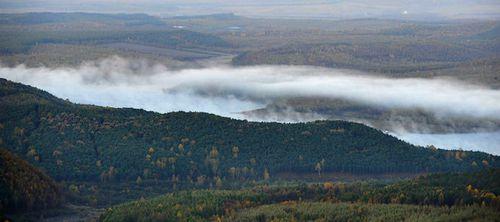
[(235, 151), (318, 168), (266, 174), (218, 182)]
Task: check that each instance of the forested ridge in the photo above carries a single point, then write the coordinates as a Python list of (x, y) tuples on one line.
[(83, 142)]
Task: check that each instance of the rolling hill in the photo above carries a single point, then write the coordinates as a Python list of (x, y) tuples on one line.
[(398, 57), (427, 198), (91, 143)]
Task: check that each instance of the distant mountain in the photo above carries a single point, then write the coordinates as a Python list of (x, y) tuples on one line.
[(23, 187), (84, 142)]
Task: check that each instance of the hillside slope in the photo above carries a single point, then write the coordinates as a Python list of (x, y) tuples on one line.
[(81, 142), (23, 187)]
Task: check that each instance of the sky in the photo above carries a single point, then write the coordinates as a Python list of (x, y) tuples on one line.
[(334, 9)]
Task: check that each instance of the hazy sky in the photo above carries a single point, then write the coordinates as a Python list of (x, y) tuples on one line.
[(411, 9)]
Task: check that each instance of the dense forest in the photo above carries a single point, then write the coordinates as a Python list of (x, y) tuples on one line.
[(81, 142), (429, 198), (378, 57), (23, 187)]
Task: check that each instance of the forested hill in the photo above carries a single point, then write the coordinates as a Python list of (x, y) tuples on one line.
[(462, 194), (82, 142), (23, 187)]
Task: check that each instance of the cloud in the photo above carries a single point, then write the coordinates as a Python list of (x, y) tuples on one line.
[(486, 141), (226, 90)]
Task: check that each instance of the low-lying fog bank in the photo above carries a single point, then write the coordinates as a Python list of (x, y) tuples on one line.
[(227, 91), (486, 142)]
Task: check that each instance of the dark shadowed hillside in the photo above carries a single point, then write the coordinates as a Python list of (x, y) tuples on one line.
[(81, 142), (23, 187)]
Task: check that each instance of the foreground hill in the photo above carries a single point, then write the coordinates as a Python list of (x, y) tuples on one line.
[(330, 202), (23, 187), (81, 142), (208, 205)]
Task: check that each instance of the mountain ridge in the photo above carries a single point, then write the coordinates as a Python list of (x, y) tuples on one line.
[(86, 142)]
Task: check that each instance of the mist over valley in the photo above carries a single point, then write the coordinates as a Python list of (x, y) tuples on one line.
[(249, 111), (240, 92)]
